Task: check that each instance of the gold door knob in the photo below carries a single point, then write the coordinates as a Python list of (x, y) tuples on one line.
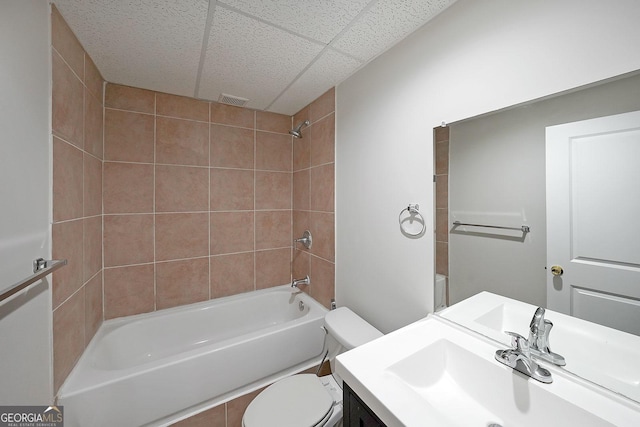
[(556, 270)]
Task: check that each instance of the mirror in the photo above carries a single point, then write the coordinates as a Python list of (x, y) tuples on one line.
[(496, 175)]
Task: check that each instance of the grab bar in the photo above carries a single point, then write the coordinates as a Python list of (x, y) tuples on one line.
[(524, 228), (41, 268)]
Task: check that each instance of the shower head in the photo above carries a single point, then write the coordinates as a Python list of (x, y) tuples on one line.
[(297, 131)]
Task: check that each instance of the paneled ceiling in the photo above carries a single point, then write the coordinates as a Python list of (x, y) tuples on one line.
[(280, 54)]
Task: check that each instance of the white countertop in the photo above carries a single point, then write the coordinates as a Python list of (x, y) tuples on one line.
[(423, 374)]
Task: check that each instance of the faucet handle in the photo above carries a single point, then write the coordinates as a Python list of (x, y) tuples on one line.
[(537, 322), (519, 343), (540, 346), (306, 239), (543, 342), (519, 358)]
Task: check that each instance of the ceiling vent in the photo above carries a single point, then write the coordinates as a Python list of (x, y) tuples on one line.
[(232, 100)]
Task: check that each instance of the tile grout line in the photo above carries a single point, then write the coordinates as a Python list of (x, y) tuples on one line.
[(255, 164), (84, 143), (191, 212), (209, 200), (153, 208), (104, 90), (85, 93), (291, 186), (76, 291), (163, 261), (164, 116)]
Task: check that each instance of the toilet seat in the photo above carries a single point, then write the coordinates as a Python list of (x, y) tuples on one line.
[(297, 401)]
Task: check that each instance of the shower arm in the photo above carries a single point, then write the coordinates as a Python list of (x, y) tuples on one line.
[(296, 131)]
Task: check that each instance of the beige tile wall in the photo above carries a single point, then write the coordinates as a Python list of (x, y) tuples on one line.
[(77, 128), (197, 200), (313, 196), (442, 199)]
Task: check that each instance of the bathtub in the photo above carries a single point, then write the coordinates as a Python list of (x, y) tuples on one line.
[(156, 368)]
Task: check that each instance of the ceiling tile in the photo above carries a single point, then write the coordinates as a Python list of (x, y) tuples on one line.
[(331, 68), (264, 50), (320, 20), (386, 23), (151, 44), (250, 59)]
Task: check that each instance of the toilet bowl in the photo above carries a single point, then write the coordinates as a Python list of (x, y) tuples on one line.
[(306, 400)]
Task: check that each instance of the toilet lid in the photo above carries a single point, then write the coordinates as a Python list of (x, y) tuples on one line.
[(296, 401)]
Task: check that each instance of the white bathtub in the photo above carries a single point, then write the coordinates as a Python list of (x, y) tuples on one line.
[(156, 368)]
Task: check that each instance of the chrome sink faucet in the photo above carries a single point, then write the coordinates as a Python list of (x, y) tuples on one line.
[(539, 330), (518, 357), (296, 282)]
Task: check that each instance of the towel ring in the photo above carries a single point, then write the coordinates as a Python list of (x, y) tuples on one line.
[(413, 209)]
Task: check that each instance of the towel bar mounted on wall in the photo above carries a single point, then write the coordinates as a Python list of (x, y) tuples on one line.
[(41, 268), (524, 228)]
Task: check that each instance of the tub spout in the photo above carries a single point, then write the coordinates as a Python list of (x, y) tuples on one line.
[(297, 282)]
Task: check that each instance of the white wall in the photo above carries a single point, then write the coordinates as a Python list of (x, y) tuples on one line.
[(25, 191), (473, 58)]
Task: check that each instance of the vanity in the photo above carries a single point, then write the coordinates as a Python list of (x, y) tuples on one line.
[(443, 371), (356, 412)]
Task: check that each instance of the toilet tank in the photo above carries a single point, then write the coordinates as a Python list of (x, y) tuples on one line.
[(349, 329)]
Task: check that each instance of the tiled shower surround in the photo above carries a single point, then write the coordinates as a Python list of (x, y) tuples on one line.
[(77, 129), (313, 196), (198, 201), (161, 200)]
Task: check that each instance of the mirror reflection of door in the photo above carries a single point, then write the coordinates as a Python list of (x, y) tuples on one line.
[(497, 176), (593, 220)]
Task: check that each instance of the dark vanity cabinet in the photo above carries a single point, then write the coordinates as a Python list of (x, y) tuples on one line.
[(356, 413)]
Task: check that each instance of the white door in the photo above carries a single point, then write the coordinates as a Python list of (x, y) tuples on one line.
[(593, 220)]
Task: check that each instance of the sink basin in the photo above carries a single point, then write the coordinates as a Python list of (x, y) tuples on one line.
[(451, 377), (435, 372), (597, 353)]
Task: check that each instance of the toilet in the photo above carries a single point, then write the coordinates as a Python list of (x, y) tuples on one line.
[(306, 400)]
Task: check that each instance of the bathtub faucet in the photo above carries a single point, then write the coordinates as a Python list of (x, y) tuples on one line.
[(306, 239), (297, 282)]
